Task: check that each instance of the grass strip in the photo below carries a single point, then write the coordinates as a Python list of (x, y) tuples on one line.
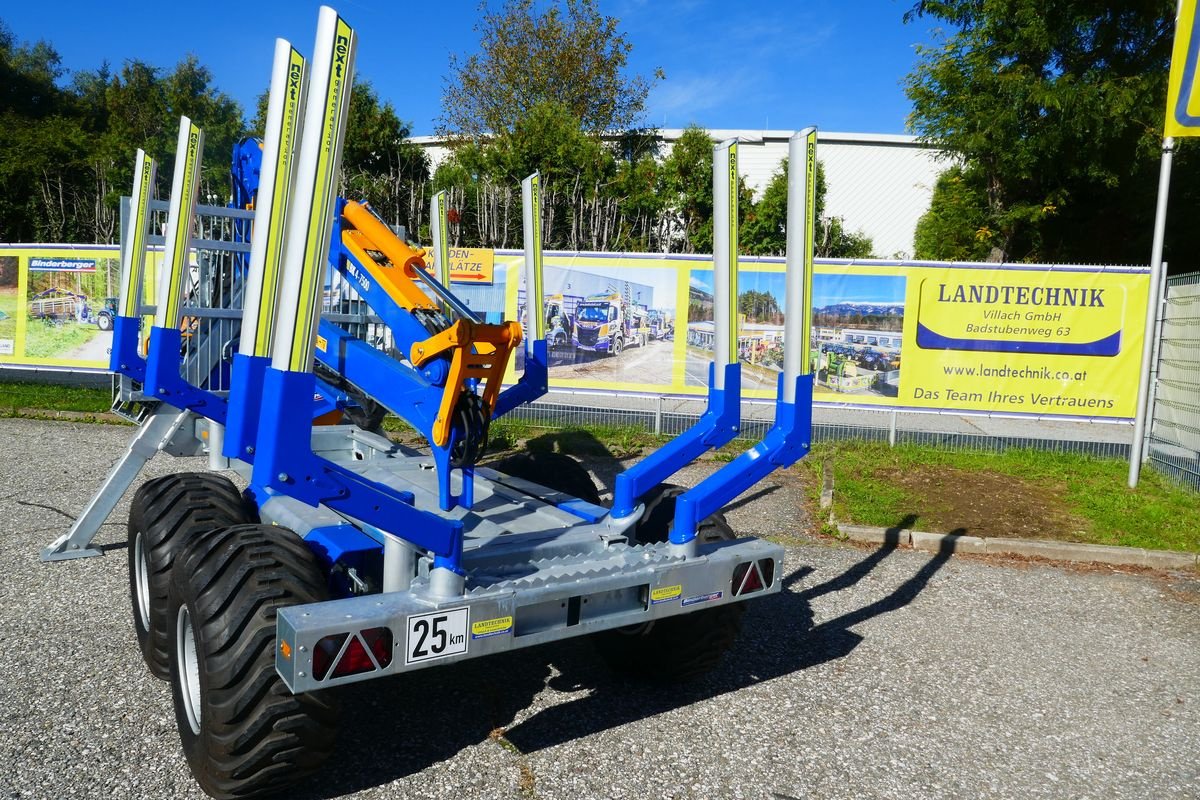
[(16, 395), (1089, 492)]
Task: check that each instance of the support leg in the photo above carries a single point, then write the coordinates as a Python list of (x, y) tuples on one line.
[(158, 428)]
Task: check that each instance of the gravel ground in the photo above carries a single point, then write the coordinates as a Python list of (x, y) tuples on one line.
[(874, 674)]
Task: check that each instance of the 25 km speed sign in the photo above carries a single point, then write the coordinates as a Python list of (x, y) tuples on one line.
[(437, 634)]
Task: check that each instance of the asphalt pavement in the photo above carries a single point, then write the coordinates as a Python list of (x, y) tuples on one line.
[(874, 674)]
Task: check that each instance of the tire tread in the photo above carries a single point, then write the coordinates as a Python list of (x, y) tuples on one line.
[(256, 736)]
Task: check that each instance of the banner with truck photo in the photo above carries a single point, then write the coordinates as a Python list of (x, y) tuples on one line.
[(1046, 340)]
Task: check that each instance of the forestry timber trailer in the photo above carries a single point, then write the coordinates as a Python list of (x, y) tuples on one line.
[(348, 557)]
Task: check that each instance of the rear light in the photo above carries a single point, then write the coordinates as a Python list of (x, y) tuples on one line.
[(366, 651), (752, 576), (325, 652), (379, 642), (354, 662)]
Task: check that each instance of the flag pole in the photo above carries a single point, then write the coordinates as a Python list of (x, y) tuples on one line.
[(1154, 299)]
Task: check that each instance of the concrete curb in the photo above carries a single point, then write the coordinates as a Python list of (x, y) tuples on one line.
[(1037, 548)]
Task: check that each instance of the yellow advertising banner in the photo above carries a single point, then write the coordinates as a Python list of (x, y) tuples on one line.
[(1054, 341), (1183, 90), (1047, 341), (1035, 341), (57, 304)]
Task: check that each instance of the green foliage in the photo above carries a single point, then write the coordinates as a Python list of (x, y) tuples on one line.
[(760, 307), (380, 164), (569, 55), (687, 182), (1056, 108), (66, 152), (955, 227)]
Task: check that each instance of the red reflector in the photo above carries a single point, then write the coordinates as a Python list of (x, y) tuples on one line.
[(354, 662), (379, 641), (739, 577), (748, 577), (753, 581), (766, 566), (325, 652)]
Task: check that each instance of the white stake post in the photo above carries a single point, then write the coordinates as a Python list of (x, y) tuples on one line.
[(133, 260), (801, 230), (189, 150), (531, 223), (284, 109), (310, 222), (725, 258), (441, 244)]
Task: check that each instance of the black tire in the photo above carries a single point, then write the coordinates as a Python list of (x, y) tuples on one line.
[(682, 647), (104, 322), (617, 347), (553, 470), (165, 515), (243, 732)]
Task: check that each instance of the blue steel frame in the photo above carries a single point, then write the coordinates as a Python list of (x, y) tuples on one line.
[(278, 444)]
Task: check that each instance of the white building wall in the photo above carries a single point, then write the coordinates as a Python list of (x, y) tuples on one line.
[(880, 184)]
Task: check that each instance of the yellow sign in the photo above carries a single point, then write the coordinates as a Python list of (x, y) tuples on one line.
[(664, 593), (491, 627), (468, 265), (1183, 91), (1048, 342)]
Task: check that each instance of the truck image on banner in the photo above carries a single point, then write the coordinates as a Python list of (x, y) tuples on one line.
[(1062, 314), (608, 324)]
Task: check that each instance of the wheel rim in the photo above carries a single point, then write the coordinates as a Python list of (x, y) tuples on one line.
[(189, 668), (141, 580)]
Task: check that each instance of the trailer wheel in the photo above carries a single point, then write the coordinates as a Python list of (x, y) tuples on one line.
[(243, 732), (682, 647), (553, 470), (166, 513)]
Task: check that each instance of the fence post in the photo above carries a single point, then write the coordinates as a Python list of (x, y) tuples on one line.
[(1161, 315), (658, 412), (892, 429)]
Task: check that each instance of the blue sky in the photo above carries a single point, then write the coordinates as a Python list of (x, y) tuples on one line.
[(830, 289), (779, 65)]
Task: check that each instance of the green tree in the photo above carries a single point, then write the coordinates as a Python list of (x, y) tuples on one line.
[(380, 163), (687, 181), (956, 227), (189, 91), (570, 54), (32, 109), (759, 307), (1056, 108)]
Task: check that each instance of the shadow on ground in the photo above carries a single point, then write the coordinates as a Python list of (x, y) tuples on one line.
[(400, 726)]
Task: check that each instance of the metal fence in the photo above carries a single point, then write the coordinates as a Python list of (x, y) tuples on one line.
[(669, 416), (1173, 441)]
